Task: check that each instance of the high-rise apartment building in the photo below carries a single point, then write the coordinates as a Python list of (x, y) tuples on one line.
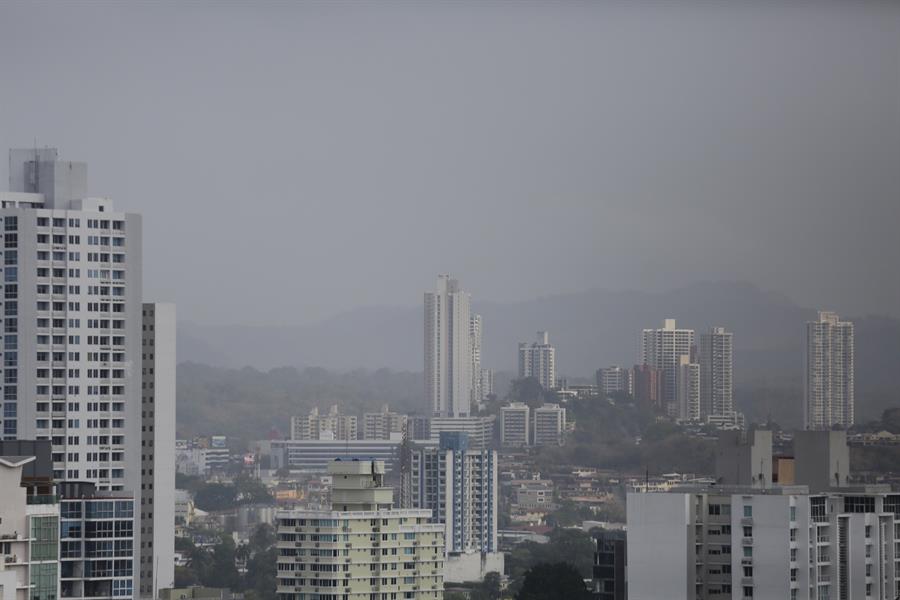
[(72, 339), (515, 425), (384, 425), (538, 360), (716, 373), (687, 391), (487, 384), (448, 350), (615, 379), (157, 503), (458, 485), (549, 425), (829, 397), (475, 336), (781, 542), (662, 349), (362, 548), (29, 535), (331, 426), (648, 384)]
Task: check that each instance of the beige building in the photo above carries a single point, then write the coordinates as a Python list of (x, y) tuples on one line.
[(333, 426), (362, 548), (384, 425)]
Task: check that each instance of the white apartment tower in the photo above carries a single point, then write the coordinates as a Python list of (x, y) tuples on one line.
[(72, 329), (157, 504), (475, 334), (828, 397), (448, 349), (458, 484), (662, 349), (716, 373), (538, 360), (687, 392)]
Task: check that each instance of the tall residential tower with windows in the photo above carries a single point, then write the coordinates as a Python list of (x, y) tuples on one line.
[(448, 350), (72, 336), (828, 397)]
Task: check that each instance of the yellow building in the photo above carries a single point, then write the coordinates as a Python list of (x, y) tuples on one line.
[(362, 549)]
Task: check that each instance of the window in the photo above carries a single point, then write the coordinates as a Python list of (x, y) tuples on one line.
[(748, 511)]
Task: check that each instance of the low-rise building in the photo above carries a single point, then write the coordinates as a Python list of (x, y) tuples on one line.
[(515, 425)]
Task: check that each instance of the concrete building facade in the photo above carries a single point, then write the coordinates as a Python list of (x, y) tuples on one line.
[(515, 425), (829, 389), (549, 425), (448, 350), (362, 548), (662, 349), (716, 373), (538, 360)]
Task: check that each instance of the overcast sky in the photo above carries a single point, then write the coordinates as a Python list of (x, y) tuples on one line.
[(293, 161)]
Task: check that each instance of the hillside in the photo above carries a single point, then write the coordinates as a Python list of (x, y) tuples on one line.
[(590, 329)]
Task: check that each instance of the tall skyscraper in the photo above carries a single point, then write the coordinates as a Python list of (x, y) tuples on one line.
[(538, 360), (828, 397), (475, 333), (73, 341), (362, 547), (716, 373), (448, 349), (662, 349)]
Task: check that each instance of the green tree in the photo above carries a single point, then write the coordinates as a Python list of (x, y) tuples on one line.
[(552, 581), (527, 390)]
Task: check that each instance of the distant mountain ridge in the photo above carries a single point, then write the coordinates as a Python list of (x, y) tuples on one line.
[(590, 329)]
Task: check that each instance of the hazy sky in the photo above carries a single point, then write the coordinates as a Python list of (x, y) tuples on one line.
[(295, 160)]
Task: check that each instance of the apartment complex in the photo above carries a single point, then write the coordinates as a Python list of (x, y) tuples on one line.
[(538, 360), (98, 542), (480, 430), (458, 485), (448, 349), (332, 426), (779, 542), (716, 373), (829, 397), (687, 389), (515, 425), (648, 383), (29, 535), (72, 335), (662, 349), (615, 379), (475, 339), (549, 425), (362, 548), (384, 425)]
